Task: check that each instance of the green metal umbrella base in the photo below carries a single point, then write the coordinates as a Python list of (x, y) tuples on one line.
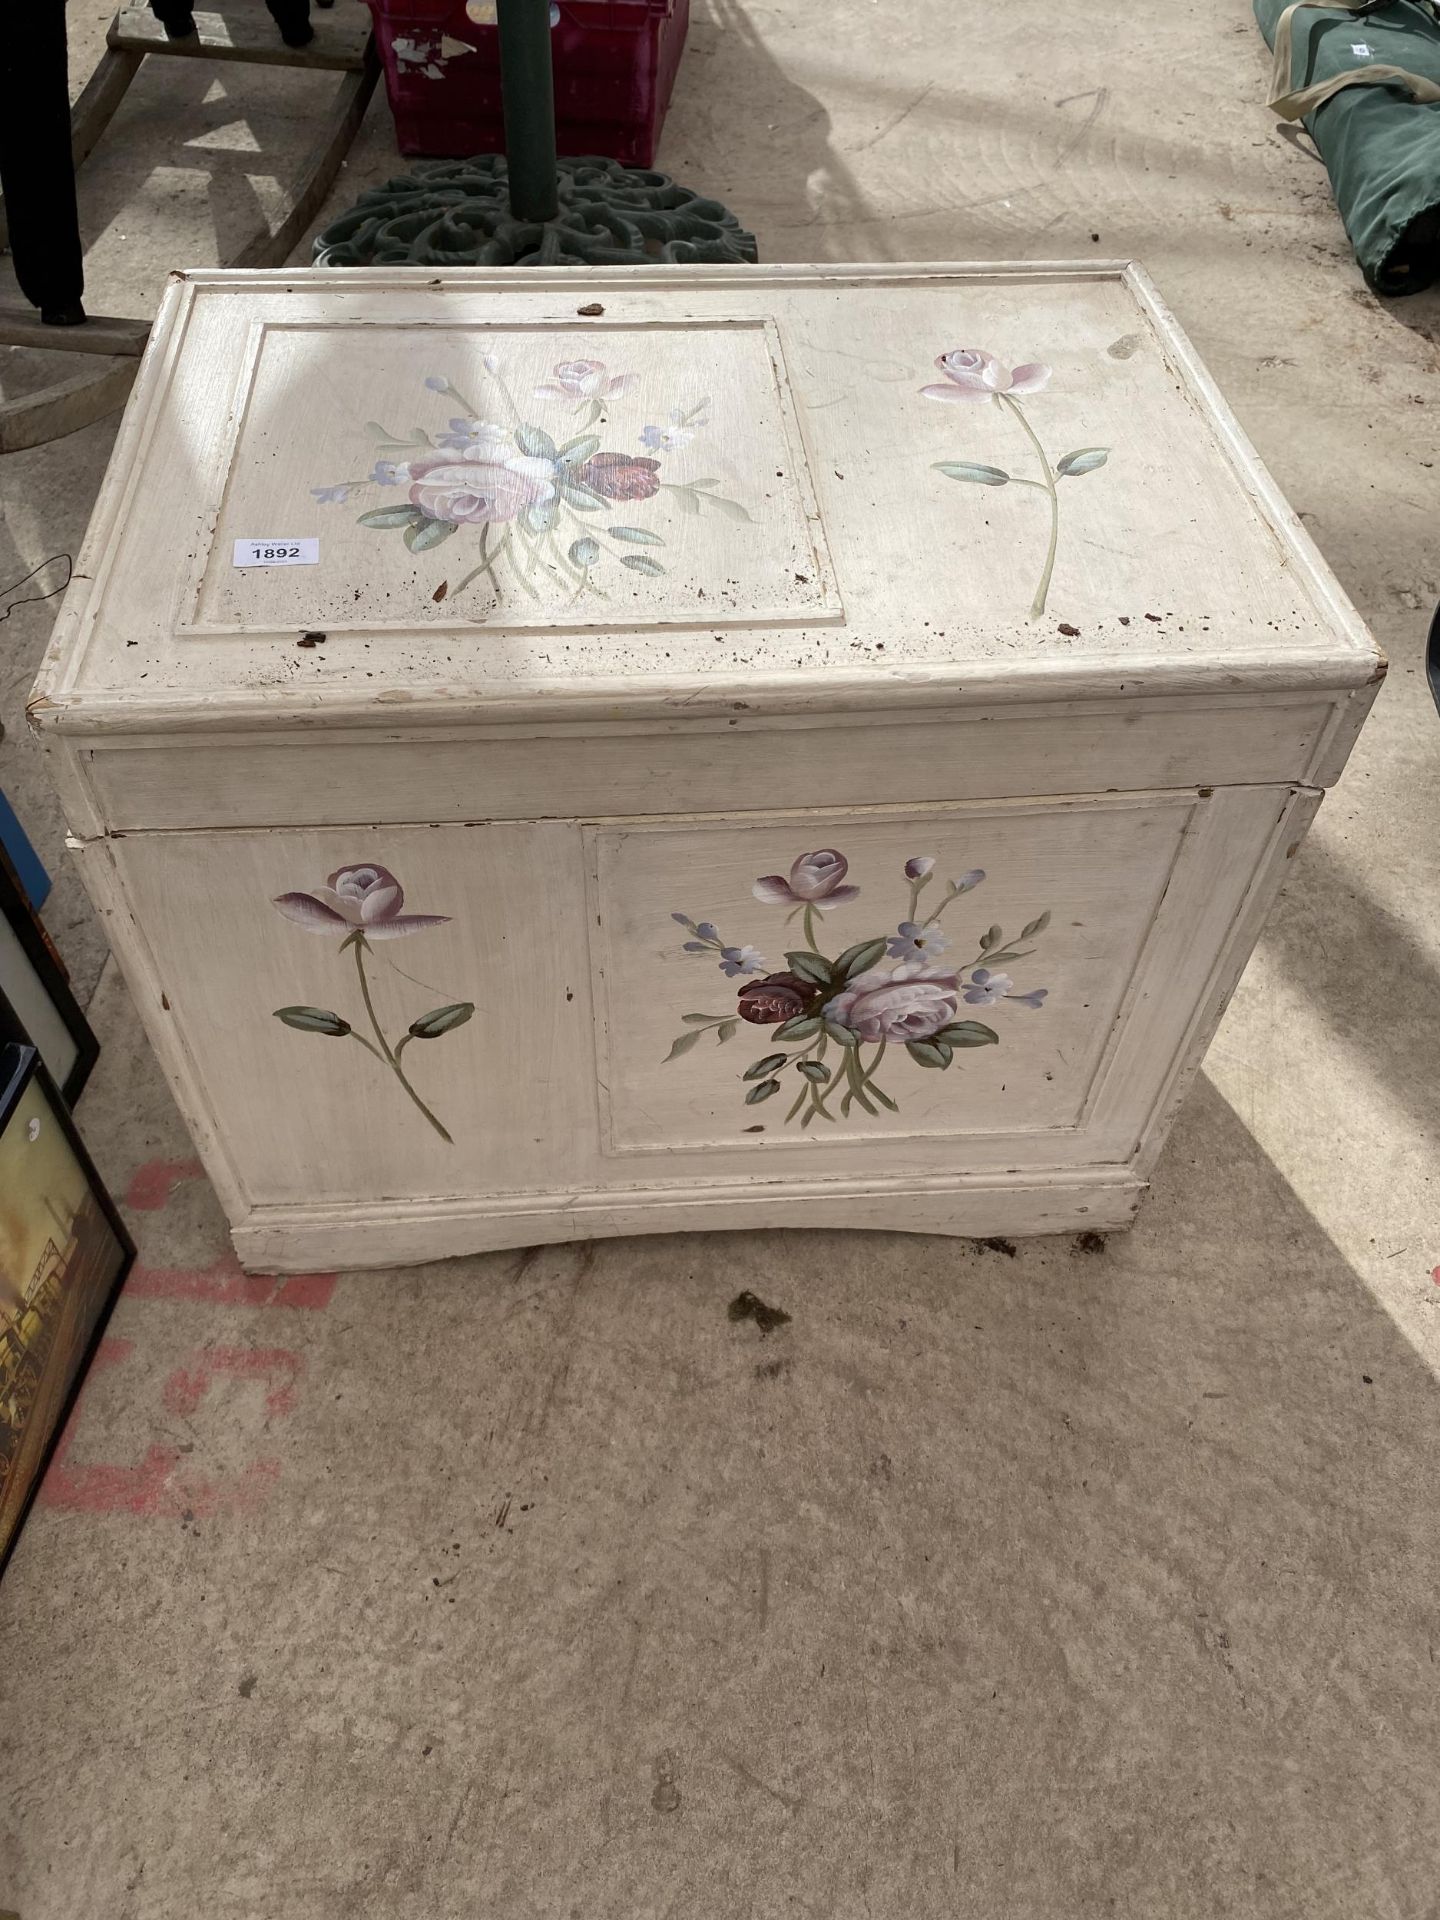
[(457, 213)]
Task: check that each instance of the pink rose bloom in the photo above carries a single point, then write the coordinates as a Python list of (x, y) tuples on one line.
[(480, 491), (583, 380), (363, 899), (976, 375), (814, 881), (620, 476), (912, 1003)]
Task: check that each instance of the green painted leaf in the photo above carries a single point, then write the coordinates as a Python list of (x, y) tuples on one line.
[(726, 1031), (541, 517), (430, 1026), (391, 517), (698, 1019), (813, 967), (762, 1069), (1083, 460), (374, 428), (841, 1034), (683, 1044), (883, 1098), (1006, 954), (637, 536), (813, 1070), (581, 499), (859, 959), (535, 442), (929, 1053), (585, 552), (731, 509), (968, 1033), (974, 470), (314, 1020), (762, 1092), (684, 499), (990, 938), (576, 452), (641, 563), (1033, 927), (428, 533), (702, 483), (800, 1028)]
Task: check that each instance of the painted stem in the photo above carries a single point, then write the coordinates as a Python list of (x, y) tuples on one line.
[(1037, 606), (487, 560), (810, 929), (819, 1090), (867, 1074), (391, 1059)]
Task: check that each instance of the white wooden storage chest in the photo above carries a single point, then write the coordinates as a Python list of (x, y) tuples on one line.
[(573, 752)]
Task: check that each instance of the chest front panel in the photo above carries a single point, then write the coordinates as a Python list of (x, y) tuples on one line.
[(422, 1012)]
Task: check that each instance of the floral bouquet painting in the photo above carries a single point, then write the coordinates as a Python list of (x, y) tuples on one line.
[(547, 507), (974, 377), (360, 906), (893, 990)]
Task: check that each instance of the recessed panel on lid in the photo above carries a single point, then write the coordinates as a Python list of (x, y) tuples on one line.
[(532, 476)]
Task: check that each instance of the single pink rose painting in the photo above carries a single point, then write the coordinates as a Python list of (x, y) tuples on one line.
[(893, 990), (973, 377), (360, 905)]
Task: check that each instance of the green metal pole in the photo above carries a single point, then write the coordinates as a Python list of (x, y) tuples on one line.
[(528, 88)]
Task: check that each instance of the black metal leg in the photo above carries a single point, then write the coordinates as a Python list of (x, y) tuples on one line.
[(37, 175), (176, 16), (292, 17)]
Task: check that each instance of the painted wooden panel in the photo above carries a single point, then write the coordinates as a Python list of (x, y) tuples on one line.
[(949, 974), (510, 1002), (541, 476), (905, 445), (487, 940), (701, 766)]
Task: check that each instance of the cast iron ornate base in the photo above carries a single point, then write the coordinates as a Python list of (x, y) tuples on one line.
[(456, 213)]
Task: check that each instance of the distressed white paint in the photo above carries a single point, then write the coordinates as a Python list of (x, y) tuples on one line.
[(853, 667)]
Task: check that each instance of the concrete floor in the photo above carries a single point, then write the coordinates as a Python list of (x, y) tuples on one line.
[(1040, 1587)]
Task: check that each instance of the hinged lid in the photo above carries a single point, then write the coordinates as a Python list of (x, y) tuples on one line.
[(623, 490)]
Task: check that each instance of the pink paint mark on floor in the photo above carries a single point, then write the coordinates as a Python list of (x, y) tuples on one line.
[(223, 1284), (152, 1486), (277, 1366), (151, 1185)]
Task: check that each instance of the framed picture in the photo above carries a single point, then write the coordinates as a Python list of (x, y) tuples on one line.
[(41, 1007), (64, 1254)]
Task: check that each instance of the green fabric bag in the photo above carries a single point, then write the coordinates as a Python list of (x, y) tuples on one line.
[(1365, 79)]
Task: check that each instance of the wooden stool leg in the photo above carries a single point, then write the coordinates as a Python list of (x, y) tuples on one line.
[(37, 174)]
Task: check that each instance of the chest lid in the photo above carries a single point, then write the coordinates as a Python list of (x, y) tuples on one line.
[(627, 490)]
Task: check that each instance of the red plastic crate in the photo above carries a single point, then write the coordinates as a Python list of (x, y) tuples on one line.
[(614, 60)]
